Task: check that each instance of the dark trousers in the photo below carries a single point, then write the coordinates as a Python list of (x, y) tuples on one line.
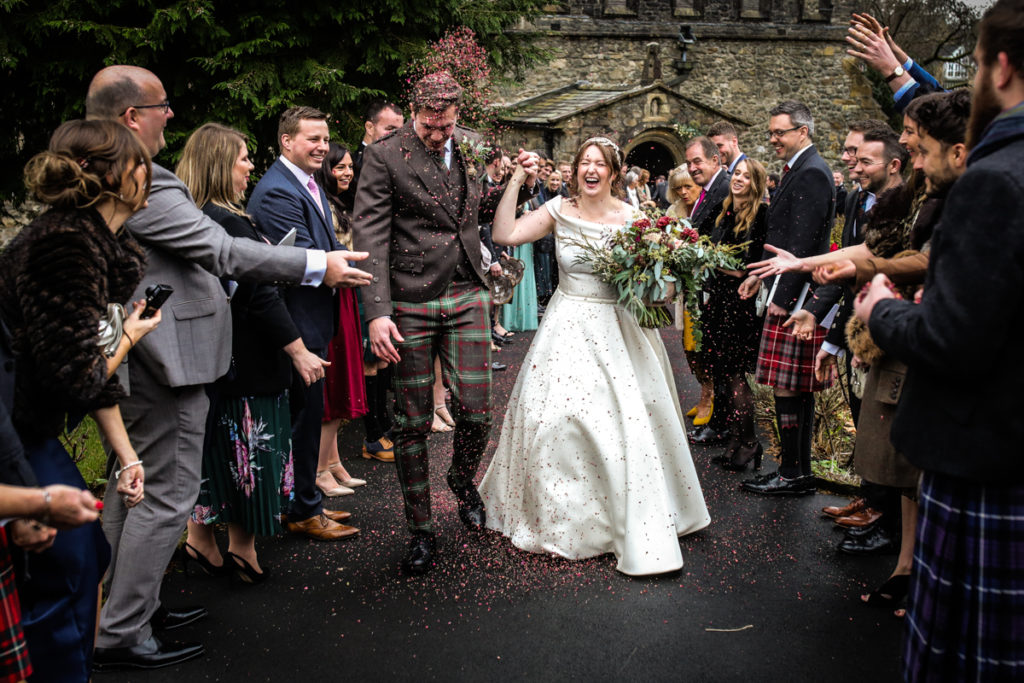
[(307, 408)]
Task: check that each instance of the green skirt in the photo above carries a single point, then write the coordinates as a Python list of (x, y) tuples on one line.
[(247, 466)]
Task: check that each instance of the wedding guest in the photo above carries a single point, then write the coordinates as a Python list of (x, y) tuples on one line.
[(287, 200), (726, 139), (800, 218), (520, 314), (247, 454), (632, 185), (730, 323), (345, 395), (705, 167), (644, 190), (543, 249), (58, 279), (966, 584), (682, 193)]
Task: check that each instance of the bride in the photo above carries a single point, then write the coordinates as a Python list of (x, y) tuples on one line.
[(593, 455)]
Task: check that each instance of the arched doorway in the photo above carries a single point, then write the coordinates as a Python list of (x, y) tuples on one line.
[(658, 151)]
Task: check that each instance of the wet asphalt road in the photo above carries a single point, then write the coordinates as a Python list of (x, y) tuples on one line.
[(763, 596)]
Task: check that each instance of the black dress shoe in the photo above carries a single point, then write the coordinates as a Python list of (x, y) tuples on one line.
[(168, 620), (149, 654), (709, 436), (778, 485), (878, 542), (420, 558), (471, 506), (859, 531), (498, 367)]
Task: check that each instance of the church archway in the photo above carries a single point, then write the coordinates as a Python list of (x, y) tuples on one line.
[(657, 151)]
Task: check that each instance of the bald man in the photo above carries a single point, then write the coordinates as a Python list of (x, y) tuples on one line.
[(166, 410)]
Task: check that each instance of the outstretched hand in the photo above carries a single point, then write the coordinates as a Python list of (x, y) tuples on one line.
[(340, 274), (834, 272), (784, 262), (803, 323)]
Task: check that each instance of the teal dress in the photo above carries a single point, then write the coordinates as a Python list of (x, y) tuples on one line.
[(521, 313)]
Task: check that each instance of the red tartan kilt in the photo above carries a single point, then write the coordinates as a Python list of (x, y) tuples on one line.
[(14, 663), (785, 362)]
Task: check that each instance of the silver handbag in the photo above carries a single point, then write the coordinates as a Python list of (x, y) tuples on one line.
[(111, 329)]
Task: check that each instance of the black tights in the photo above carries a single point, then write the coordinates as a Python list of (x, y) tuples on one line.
[(376, 421)]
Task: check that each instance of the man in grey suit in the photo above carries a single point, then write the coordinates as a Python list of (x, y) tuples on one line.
[(166, 410)]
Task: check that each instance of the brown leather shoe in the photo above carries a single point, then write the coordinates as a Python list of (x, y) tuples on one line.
[(856, 505), (321, 528), (860, 519), (336, 515), (382, 449)]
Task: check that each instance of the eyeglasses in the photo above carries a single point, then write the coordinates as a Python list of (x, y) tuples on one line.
[(850, 151), (165, 105), (769, 134)]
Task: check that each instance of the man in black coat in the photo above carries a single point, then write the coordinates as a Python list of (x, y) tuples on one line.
[(800, 220), (705, 168), (959, 415)]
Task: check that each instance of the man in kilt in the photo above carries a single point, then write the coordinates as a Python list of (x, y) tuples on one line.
[(416, 212), (800, 221), (959, 416)]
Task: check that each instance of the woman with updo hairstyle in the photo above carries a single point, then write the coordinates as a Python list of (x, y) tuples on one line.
[(247, 454), (66, 273)]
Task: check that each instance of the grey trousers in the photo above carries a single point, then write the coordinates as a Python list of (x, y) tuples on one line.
[(166, 426)]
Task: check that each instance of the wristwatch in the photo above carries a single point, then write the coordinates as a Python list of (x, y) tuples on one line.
[(896, 73)]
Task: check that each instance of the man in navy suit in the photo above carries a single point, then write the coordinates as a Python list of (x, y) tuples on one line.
[(287, 197)]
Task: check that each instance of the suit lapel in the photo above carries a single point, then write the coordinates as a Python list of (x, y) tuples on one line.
[(320, 218), (427, 171)]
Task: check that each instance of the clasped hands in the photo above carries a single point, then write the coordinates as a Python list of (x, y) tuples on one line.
[(68, 508)]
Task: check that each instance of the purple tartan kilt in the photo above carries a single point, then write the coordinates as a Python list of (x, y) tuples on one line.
[(785, 362), (965, 612)]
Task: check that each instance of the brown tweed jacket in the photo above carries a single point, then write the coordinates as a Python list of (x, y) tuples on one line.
[(416, 221)]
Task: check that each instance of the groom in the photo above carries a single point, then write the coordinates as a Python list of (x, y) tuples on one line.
[(417, 212)]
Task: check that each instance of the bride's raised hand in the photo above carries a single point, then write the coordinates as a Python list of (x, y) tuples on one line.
[(784, 262), (527, 167)]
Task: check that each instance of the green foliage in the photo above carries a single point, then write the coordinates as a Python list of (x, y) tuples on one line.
[(240, 63)]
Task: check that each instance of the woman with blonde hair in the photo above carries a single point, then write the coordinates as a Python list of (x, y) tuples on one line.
[(247, 458), (63, 280), (683, 192), (731, 327)]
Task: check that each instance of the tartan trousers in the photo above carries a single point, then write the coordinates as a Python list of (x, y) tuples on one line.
[(456, 327)]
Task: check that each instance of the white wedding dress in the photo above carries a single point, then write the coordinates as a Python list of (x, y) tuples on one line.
[(593, 455)]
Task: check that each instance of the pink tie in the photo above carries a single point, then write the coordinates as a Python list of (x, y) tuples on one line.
[(315, 191), (699, 200)]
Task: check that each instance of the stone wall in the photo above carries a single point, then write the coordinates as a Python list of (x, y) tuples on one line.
[(739, 67)]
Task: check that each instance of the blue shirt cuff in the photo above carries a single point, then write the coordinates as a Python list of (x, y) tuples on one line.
[(903, 90)]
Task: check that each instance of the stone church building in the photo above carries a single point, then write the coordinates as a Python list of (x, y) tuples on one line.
[(652, 73)]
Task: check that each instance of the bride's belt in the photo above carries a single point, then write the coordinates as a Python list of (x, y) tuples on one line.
[(589, 299)]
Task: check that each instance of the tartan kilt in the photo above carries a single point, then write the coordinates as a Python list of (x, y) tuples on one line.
[(14, 662), (965, 614), (785, 362)]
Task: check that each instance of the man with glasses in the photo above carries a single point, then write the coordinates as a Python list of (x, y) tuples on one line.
[(800, 220), (416, 213), (166, 410)]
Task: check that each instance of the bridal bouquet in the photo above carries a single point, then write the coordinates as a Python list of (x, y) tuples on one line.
[(647, 260)]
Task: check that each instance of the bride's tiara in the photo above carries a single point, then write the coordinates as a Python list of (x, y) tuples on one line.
[(604, 142)]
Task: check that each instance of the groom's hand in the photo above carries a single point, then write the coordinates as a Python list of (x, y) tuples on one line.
[(382, 331)]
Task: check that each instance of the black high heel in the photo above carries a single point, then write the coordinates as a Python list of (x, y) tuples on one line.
[(743, 455), (245, 571), (727, 455), (889, 594), (205, 566)]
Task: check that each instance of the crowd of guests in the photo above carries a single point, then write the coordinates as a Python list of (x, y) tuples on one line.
[(228, 408)]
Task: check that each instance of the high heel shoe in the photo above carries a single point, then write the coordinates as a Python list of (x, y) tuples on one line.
[(743, 455), (332, 491), (700, 419), (350, 482), (245, 572), (205, 566), (693, 411), (728, 454), (890, 593)]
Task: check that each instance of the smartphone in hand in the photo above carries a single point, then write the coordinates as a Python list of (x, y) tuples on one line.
[(156, 295)]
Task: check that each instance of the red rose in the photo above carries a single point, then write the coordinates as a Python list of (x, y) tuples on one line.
[(643, 224), (690, 234), (834, 247), (663, 221)]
